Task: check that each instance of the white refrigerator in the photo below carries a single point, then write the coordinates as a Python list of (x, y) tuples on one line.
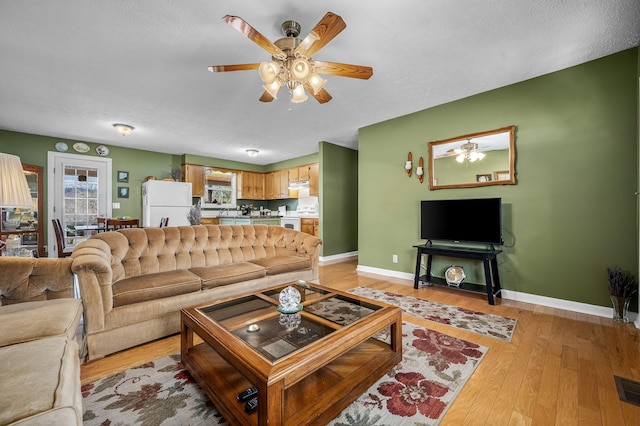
[(165, 199)]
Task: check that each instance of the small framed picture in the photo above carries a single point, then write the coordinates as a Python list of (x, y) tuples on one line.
[(501, 175), (123, 192), (483, 178), (123, 176)]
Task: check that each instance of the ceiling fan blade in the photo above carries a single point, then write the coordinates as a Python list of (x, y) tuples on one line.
[(237, 67), (266, 97), (329, 26), (322, 96), (252, 34), (343, 70)]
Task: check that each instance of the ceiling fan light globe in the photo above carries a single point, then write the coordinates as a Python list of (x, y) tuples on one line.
[(268, 71), (300, 69), (273, 88), (316, 82), (460, 158), (298, 94)]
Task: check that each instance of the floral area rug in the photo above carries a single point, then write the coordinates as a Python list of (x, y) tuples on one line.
[(466, 319), (417, 391)]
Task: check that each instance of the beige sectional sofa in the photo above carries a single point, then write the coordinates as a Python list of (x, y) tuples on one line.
[(133, 282), (40, 374)]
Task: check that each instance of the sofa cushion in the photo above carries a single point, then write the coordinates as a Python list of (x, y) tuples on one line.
[(22, 322), (39, 376), (219, 275), (281, 264), (154, 286)]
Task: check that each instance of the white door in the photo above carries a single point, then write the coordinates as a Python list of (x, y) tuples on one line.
[(79, 191)]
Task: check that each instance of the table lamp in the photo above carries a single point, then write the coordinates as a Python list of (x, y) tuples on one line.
[(14, 189)]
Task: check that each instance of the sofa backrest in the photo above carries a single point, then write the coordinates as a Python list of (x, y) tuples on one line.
[(140, 251), (27, 279)]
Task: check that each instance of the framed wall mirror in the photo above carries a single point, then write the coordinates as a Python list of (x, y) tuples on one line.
[(479, 159)]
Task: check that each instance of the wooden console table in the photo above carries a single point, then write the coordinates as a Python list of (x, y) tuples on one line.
[(488, 256)]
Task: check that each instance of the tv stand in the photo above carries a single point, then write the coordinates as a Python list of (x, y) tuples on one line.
[(488, 256)]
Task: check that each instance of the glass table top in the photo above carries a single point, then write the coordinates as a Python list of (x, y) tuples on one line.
[(256, 320)]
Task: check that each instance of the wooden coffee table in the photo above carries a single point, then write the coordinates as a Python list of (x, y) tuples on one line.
[(307, 366)]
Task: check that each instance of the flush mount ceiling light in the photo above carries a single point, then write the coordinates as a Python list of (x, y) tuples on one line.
[(123, 129), (291, 65), (468, 152), (252, 152)]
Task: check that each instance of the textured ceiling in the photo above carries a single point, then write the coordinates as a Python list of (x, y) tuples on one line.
[(70, 69)]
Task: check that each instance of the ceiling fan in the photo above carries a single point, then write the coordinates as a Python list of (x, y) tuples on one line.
[(291, 65)]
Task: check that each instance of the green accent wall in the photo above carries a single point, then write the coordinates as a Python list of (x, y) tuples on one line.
[(573, 210), (33, 149), (338, 199)]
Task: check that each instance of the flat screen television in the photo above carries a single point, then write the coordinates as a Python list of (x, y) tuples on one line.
[(477, 220)]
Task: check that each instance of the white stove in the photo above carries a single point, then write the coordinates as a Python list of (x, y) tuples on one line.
[(307, 207), (290, 222)]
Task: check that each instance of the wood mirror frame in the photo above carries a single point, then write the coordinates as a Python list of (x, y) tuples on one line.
[(450, 165)]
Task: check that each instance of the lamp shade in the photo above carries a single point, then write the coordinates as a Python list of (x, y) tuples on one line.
[(300, 69), (298, 95), (268, 71), (14, 189)]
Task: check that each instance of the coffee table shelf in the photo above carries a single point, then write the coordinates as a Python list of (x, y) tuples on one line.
[(310, 385)]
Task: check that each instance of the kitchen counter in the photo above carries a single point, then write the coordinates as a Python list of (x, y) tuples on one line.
[(249, 220)]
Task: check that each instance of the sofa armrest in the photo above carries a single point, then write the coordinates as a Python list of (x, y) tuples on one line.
[(92, 266), (311, 247), (26, 279)]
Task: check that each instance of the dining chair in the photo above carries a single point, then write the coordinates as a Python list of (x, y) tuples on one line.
[(63, 250), (164, 221), (102, 224)]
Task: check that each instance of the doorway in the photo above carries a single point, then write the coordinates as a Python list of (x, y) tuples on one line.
[(79, 191)]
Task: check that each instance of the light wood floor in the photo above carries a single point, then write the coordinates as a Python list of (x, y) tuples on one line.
[(558, 369)]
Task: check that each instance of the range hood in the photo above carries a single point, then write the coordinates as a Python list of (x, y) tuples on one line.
[(298, 185)]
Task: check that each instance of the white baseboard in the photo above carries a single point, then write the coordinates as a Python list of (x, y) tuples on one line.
[(338, 257), (551, 302)]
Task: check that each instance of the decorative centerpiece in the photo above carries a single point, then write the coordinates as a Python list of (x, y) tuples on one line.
[(289, 300), (455, 275), (622, 285)]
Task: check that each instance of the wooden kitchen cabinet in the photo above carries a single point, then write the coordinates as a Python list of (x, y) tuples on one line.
[(293, 174), (270, 186), (310, 225), (196, 175), (304, 173), (314, 179), (252, 186), (284, 185), (209, 221)]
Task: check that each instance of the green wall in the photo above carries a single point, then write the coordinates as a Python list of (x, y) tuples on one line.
[(338, 199), (33, 149), (573, 210)]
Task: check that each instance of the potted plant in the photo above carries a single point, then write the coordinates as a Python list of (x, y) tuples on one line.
[(622, 285)]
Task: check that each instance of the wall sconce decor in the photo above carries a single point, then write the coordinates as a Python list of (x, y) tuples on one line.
[(420, 170), (408, 166)]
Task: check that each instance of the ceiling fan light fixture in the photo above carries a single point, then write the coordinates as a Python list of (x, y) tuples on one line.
[(273, 88), (298, 94), (269, 71), (123, 129), (316, 82), (300, 69)]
